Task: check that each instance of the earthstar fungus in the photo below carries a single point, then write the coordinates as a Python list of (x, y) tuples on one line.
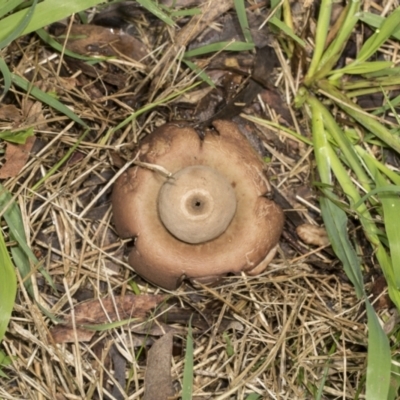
[(209, 218)]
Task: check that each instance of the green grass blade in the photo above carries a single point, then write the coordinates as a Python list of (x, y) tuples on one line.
[(8, 287), (320, 393), (375, 21), (360, 116), (395, 178), (220, 46), (390, 25), (6, 76), (320, 142), (378, 358), (253, 396), (156, 10), (341, 140), (46, 13), (385, 73), (5, 361), (388, 195), (230, 351), (376, 82), (395, 381), (382, 189), (362, 68), (244, 23), (394, 102), (200, 72), (187, 383), (22, 254), (333, 52), (320, 38), (276, 8), (19, 27), (9, 6), (45, 98), (287, 30), (391, 211), (335, 219), (108, 326)]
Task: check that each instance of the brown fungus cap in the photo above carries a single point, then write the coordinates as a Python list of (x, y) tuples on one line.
[(219, 179)]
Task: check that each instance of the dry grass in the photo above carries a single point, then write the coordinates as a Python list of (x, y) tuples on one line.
[(289, 328)]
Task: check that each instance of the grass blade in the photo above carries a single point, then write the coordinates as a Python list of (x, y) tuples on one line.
[(362, 117), (45, 98), (336, 221), (333, 52), (395, 381), (220, 46), (388, 195), (286, 30), (391, 211), (154, 9), (20, 27), (378, 358), (6, 76), (22, 254), (200, 72), (5, 361), (342, 142), (8, 287), (9, 6), (362, 68), (320, 38), (390, 25), (374, 163), (390, 189), (244, 23), (375, 21), (253, 396), (46, 13), (187, 384)]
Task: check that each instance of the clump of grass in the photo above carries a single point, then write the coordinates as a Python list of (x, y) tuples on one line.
[(341, 162)]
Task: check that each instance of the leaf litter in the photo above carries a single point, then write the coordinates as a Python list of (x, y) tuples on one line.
[(298, 322)]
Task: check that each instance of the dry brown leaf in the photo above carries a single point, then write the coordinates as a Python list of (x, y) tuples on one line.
[(66, 334), (16, 157), (157, 380), (98, 40), (9, 112), (119, 307), (97, 312)]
